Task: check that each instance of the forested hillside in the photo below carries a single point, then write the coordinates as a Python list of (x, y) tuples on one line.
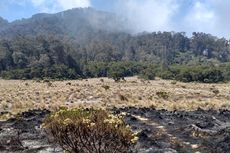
[(3, 23), (89, 43)]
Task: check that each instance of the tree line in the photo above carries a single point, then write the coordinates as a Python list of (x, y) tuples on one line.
[(117, 54)]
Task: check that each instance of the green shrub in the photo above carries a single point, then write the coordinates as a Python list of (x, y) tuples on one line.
[(212, 76), (16, 74), (166, 74), (54, 72), (96, 69), (117, 71), (202, 74), (148, 74), (89, 131)]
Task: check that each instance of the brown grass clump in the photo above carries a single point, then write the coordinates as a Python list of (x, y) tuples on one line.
[(89, 131), (106, 87), (162, 94), (122, 97), (215, 91)]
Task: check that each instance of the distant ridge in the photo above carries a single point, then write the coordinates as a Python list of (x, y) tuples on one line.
[(65, 44), (77, 22)]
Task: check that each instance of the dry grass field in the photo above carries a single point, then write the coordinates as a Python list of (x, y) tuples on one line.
[(17, 96)]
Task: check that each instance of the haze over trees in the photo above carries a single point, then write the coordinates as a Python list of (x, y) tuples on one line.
[(89, 43)]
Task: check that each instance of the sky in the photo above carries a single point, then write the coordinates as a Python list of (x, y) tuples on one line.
[(209, 16)]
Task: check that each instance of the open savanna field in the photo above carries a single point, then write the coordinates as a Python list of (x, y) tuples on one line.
[(165, 113), (18, 95)]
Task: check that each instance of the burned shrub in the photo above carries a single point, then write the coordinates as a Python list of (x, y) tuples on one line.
[(89, 131)]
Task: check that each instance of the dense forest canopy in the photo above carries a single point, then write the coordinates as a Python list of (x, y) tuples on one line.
[(67, 43)]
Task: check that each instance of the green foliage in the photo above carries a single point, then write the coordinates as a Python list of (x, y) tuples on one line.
[(60, 72), (197, 73), (103, 50), (89, 131), (212, 76), (16, 74), (96, 69), (148, 73), (117, 73), (119, 70), (166, 74), (56, 58), (55, 72), (116, 55), (225, 68)]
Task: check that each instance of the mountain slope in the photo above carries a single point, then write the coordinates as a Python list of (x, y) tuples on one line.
[(75, 23), (76, 38)]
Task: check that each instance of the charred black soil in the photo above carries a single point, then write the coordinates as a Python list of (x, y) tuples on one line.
[(160, 131)]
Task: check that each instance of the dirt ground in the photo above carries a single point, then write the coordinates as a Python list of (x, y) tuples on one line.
[(18, 96)]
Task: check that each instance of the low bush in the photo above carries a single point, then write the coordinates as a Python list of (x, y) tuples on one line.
[(58, 72), (202, 74), (148, 74), (119, 70), (89, 131)]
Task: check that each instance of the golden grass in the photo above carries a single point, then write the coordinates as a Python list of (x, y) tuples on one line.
[(17, 96)]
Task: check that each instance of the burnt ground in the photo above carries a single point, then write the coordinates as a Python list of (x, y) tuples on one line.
[(160, 131)]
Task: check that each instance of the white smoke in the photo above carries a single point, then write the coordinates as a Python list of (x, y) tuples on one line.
[(210, 16), (68, 4), (200, 18), (52, 6), (222, 17), (148, 15)]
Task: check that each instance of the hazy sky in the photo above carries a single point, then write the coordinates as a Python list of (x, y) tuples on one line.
[(210, 16)]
